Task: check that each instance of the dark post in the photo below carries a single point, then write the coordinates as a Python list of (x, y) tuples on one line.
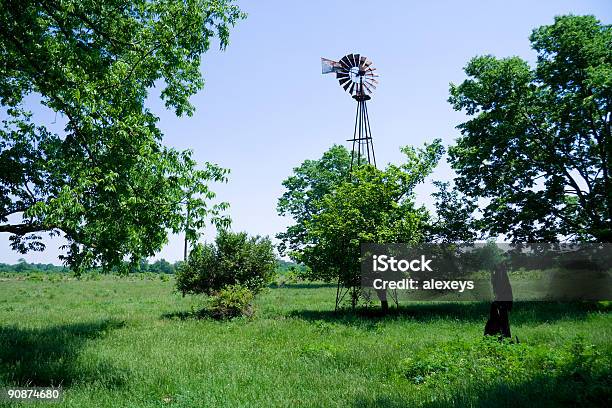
[(499, 323)]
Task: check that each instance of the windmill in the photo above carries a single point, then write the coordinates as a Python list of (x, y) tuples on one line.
[(356, 75)]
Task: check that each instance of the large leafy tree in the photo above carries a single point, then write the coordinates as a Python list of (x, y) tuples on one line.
[(537, 147), (372, 206), (106, 182)]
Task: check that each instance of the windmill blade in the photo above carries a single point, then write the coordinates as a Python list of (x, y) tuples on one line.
[(362, 62), (347, 84), (372, 82), (343, 81), (345, 63), (357, 58), (351, 58), (352, 87), (342, 74), (367, 87)]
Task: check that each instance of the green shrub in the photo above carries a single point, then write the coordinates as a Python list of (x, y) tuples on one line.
[(232, 301), (234, 258), (93, 275), (488, 361), (286, 278), (35, 277)]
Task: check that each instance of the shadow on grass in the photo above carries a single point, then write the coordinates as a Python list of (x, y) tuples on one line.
[(187, 315), (304, 285), (49, 356), (540, 392), (522, 312)]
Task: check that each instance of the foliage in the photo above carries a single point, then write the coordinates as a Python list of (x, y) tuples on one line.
[(312, 180), (374, 206), (283, 267), (107, 183), (289, 277), (289, 272), (454, 217), (160, 266), (507, 363), (538, 146), (234, 258), (232, 301), (24, 267)]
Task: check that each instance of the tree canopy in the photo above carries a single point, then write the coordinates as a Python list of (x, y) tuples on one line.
[(106, 182), (537, 147), (312, 180)]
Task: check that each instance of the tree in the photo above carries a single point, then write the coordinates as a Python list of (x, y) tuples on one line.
[(538, 146), (161, 266), (373, 206), (107, 183)]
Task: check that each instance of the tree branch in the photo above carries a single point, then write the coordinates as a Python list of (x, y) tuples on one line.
[(22, 229)]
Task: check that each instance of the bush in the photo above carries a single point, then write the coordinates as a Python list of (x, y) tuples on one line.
[(488, 361), (234, 259), (293, 275), (232, 301)]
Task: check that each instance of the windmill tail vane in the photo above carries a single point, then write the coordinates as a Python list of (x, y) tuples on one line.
[(329, 66), (356, 76)]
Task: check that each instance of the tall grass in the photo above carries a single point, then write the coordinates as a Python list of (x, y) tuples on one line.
[(127, 342)]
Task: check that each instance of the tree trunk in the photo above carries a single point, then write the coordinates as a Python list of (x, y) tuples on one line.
[(384, 304)]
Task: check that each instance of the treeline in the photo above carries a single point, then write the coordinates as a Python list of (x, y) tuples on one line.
[(159, 266), (283, 267), (22, 266)]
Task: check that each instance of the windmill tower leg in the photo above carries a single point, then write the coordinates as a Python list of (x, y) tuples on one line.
[(363, 147), (363, 152)]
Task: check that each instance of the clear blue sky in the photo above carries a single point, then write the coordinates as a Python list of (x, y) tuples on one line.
[(266, 107)]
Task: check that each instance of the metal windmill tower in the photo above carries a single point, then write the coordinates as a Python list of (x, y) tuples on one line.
[(355, 74)]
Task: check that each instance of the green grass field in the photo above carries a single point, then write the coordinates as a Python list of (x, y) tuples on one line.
[(136, 343)]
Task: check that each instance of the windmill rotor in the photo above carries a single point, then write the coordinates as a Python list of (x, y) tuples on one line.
[(354, 73)]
